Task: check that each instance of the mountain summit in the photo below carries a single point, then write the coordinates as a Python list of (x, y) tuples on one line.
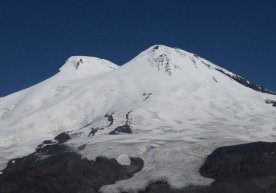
[(86, 66), (166, 106)]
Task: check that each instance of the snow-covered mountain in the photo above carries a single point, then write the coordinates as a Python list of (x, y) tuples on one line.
[(167, 106)]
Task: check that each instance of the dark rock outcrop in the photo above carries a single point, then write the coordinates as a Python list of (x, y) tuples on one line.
[(57, 169), (94, 131), (62, 138), (235, 186), (246, 83), (110, 119), (241, 161), (121, 129), (245, 168), (268, 101), (146, 95)]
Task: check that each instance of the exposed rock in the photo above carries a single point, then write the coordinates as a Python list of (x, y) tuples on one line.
[(82, 147), (215, 79), (234, 186), (128, 120), (51, 150), (146, 95), (241, 161), (268, 101), (48, 142), (93, 131), (246, 83), (245, 168), (57, 169), (121, 129), (62, 138), (155, 48), (206, 64), (124, 128), (110, 119)]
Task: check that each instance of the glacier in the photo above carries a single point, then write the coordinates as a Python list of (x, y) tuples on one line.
[(167, 106)]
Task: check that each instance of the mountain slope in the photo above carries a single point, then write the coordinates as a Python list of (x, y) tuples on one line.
[(165, 103)]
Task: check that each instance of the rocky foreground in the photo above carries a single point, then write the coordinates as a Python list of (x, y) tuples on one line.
[(56, 168)]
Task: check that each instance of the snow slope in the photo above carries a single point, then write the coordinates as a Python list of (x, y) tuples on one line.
[(26, 117), (179, 107)]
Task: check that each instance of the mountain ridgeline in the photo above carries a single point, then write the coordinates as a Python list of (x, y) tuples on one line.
[(166, 121)]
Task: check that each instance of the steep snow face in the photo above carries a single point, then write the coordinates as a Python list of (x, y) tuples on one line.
[(25, 116), (167, 106), (55, 89), (177, 62)]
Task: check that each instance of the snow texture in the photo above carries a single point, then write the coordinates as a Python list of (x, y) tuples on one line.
[(179, 107), (123, 159)]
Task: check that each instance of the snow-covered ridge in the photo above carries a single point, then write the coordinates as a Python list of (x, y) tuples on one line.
[(171, 60), (84, 65), (164, 103)]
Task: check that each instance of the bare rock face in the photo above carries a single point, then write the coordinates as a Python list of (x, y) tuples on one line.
[(241, 161), (121, 129), (268, 101), (242, 168), (62, 138), (56, 169)]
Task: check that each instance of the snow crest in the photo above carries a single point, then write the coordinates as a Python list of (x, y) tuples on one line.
[(177, 105)]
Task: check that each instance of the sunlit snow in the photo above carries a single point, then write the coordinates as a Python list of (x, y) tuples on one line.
[(180, 108)]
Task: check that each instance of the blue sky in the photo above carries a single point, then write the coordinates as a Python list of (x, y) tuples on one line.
[(36, 37)]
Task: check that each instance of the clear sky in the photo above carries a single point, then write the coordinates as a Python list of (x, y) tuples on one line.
[(37, 36)]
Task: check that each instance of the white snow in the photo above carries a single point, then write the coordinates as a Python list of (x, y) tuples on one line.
[(86, 66), (191, 109), (123, 159)]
